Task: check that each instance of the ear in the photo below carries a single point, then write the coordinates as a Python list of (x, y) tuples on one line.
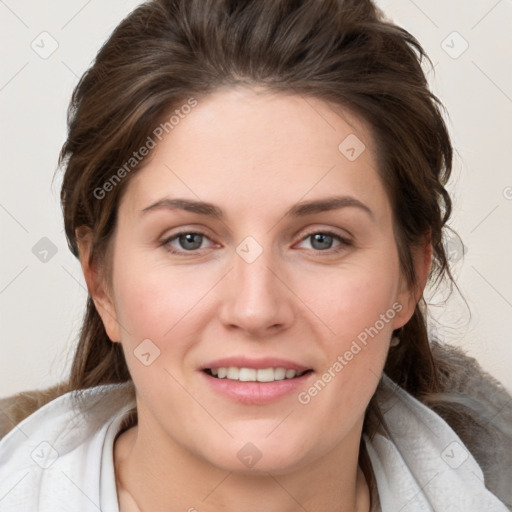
[(96, 284), (408, 296)]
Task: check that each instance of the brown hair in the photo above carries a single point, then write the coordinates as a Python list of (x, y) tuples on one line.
[(341, 51)]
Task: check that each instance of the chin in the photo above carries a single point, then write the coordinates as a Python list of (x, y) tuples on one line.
[(258, 454)]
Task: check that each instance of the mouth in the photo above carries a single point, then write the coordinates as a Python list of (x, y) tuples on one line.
[(243, 374), (256, 380)]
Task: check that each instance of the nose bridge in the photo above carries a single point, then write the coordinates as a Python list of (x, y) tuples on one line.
[(257, 300), (254, 276)]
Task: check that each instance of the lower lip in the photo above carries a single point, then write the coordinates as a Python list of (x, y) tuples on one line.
[(257, 393)]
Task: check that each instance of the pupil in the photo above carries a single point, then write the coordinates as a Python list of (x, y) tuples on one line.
[(188, 238), (319, 237)]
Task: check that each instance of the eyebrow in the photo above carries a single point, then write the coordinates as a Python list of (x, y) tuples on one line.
[(298, 210)]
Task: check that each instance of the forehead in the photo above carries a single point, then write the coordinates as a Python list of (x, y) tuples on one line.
[(248, 147)]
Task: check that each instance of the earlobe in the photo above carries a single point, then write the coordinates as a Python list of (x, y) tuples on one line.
[(96, 284)]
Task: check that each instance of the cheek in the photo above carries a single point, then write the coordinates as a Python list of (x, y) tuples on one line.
[(353, 298), (152, 308), (358, 305), (141, 307), (153, 300), (161, 309)]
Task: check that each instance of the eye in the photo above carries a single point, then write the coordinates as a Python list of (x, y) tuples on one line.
[(191, 241), (188, 241), (321, 241)]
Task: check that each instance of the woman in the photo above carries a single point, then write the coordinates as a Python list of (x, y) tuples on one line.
[(256, 193)]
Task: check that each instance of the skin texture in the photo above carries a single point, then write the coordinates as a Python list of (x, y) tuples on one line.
[(254, 154)]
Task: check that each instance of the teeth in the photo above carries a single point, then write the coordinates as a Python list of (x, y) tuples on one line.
[(279, 374), (253, 375), (247, 374), (265, 375), (233, 373)]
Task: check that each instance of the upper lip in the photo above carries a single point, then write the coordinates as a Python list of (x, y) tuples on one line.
[(256, 363)]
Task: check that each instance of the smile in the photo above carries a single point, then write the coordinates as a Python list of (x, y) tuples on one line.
[(254, 375)]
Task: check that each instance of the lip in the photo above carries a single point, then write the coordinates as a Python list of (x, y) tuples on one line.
[(256, 363), (256, 393)]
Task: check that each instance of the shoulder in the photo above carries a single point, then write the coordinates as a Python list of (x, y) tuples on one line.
[(417, 445), (44, 456), (479, 409), (32, 411), (16, 408)]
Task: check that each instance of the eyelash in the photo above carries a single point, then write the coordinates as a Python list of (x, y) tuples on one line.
[(345, 243)]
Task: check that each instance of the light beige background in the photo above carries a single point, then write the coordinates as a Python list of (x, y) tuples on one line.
[(41, 303)]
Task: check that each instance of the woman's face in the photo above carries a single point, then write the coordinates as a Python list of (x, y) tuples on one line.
[(265, 275)]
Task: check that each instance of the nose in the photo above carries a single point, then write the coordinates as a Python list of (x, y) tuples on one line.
[(255, 298)]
